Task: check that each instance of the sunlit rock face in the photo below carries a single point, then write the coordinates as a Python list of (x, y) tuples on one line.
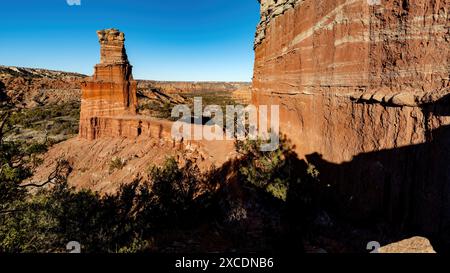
[(112, 49), (363, 88), (111, 91), (109, 99)]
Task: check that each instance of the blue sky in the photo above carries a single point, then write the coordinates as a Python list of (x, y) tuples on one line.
[(182, 40)]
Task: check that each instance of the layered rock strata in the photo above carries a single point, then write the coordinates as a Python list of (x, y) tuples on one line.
[(111, 92), (363, 89), (109, 100)]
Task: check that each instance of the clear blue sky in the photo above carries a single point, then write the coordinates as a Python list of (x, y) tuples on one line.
[(183, 40)]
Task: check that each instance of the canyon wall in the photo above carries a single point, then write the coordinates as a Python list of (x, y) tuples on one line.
[(363, 89)]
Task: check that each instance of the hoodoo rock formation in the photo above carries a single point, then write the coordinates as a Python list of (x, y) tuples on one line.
[(109, 107), (109, 101), (363, 88), (111, 92)]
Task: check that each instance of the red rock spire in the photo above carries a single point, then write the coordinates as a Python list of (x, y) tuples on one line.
[(111, 91)]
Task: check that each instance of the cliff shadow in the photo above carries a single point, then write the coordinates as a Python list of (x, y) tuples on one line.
[(402, 192)]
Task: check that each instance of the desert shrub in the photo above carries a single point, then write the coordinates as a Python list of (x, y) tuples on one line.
[(100, 224), (25, 226), (270, 171), (16, 160), (279, 173), (28, 226), (136, 246), (292, 181), (165, 111), (50, 218), (173, 186), (116, 164), (63, 127), (274, 171), (161, 110), (180, 193), (55, 118)]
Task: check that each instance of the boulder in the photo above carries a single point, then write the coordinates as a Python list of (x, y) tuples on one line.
[(412, 245)]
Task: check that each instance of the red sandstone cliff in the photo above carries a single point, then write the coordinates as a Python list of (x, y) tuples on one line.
[(364, 93)]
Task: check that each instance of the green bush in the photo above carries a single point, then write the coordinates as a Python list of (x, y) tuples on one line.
[(266, 170), (54, 118), (116, 164), (161, 110), (176, 190), (278, 172), (124, 222)]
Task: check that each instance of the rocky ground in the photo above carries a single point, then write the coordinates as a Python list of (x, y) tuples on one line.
[(103, 165)]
